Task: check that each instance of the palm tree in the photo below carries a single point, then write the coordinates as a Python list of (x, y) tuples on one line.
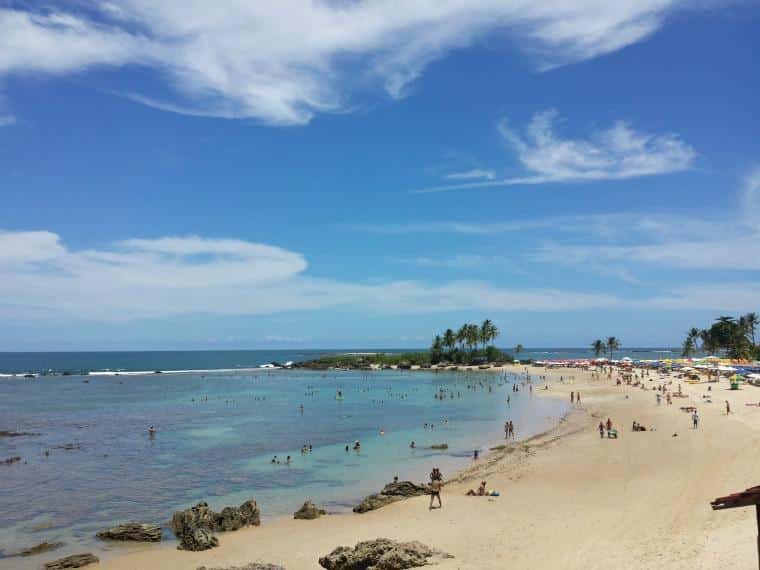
[(688, 347), (436, 350), (752, 321), (708, 342), (462, 336), (598, 346), (694, 336), (449, 340), (486, 329), (494, 332), (472, 335), (613, 344)]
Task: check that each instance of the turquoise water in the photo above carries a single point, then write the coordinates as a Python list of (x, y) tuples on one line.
[(217, 433)]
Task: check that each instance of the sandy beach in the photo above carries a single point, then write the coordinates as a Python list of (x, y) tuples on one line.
[(568, 498)]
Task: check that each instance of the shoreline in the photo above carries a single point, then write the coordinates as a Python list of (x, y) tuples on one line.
[(641, 501), (452, 461)]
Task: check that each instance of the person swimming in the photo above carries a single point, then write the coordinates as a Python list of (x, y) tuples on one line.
[(151, 431)]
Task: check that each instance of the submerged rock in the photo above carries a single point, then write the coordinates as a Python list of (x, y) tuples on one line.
[(391, 493), (309, 511), (132, 531), (195, 526), (39, 548), (5, 433), (381, 554), (73, 561), (439, 446)]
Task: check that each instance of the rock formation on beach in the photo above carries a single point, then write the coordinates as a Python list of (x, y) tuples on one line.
[(309, 511), (439, 446), (391, 493), (132, 531), (381, 554), (195, 526), (73, 561)]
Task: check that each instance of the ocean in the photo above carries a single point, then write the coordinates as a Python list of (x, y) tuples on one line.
[(91, 462)]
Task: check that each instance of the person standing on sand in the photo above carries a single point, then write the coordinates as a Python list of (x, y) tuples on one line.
[(572, 397), (511, 430), (609, 426), (578, 398), (728, 408), (695, 419), (506, 430), (436, 484), (601, 430)]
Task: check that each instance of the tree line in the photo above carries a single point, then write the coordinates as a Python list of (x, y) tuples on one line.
[(734, 337), (468, 342)]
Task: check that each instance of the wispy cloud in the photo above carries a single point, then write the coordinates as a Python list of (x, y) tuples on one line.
[(615, 153), (7, 120), (460, 261), (282, 62), (474, 174)]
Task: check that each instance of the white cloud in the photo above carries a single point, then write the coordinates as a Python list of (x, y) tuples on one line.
[(43, 280), (140, 278), (460, 261), (751, 197), (474, 174), (616, 153), (284, 61), (7, 120)]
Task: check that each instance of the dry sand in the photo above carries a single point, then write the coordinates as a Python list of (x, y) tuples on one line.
[(568, 498)]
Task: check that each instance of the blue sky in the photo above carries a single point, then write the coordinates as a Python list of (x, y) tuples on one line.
[(367, 173)]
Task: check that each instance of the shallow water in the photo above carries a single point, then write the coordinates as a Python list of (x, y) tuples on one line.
[(219, 449)]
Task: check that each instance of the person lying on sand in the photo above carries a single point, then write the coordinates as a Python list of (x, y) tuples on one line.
[(479, 493)]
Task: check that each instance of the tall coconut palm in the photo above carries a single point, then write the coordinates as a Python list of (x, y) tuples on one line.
[(472, 335), (449, 340), (688, 347), (598, 346), (613, 344), (462, 336), (486, 332), (752, 321), (694, 336)]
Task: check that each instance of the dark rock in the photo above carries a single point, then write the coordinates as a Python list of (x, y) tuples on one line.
[(11, 460), (439, 446), (309, 511), (381, 554), (4, 433), (39, 549), (73, 561), (132, 531), (195, 526), (69, 446), (252, 566), (391, 493)]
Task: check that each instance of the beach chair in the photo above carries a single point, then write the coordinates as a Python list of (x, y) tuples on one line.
[(612, 434)]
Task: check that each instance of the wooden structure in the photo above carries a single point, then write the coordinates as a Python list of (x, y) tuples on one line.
[(748, 498)]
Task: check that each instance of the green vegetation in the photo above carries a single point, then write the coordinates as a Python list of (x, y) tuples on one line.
[(727, 335), (470, 344), (610, 346)]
